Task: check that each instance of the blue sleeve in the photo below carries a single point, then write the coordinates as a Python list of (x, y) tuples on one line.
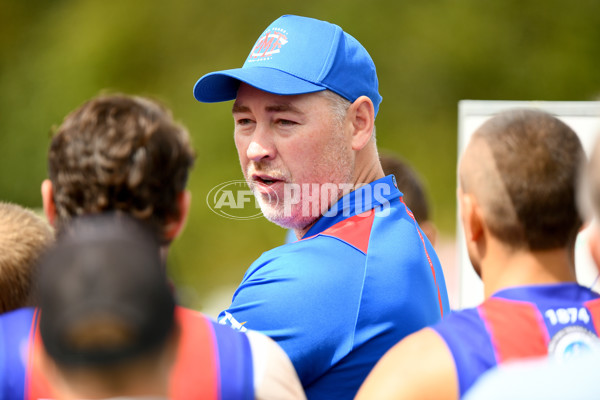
[(466, 336), (15, 327), (235, 363), (293, 294)]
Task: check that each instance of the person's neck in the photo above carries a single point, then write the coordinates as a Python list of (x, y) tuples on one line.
[(367, 169), (504, 267)]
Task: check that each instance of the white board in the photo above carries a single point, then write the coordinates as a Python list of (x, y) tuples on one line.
[(584, 118)]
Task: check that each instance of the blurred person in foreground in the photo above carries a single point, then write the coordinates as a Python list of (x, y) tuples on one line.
[(107, 311), (363, 274), (24, 236), (517, 193), (125, 154)]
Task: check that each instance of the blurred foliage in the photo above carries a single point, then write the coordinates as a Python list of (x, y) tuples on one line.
[(429, 54)]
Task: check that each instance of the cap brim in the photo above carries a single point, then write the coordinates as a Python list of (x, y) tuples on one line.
[(223, 85)]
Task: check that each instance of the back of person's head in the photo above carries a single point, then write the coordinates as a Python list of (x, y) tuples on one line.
[(523, 166), (119, 152), (107, 311), (409, 184), (24, 236), (412, 188)]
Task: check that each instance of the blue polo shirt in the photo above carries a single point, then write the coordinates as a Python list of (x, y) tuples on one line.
[(362, 278)]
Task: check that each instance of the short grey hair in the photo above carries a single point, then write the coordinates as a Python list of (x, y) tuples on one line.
[(339, 106)]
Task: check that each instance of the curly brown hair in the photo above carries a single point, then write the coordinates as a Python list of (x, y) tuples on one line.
[(120, 153)]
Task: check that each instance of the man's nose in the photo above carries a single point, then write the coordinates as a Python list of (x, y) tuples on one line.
[(261, 145)]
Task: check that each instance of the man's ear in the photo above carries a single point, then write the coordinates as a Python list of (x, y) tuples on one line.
[(362, 118), (48, 201), (471, 216), (474, 229), (175, 226)]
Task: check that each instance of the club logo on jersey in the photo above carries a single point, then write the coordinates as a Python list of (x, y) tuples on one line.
[(230, 320), (234, 200), (268, 44), (571, 341)]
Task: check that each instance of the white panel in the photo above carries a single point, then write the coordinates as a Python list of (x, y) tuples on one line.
[(584, 118)]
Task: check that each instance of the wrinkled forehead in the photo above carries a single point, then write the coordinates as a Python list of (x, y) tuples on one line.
[(251, 99), (247, 93)]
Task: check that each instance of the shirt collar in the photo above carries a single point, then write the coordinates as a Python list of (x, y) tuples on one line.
[(539, 292), (378, 193)]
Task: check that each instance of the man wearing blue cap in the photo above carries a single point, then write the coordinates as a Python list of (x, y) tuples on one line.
[(346, 291)]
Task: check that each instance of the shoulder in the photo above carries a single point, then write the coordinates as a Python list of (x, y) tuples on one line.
[(274, 374), (451, 330), (16, 325), (409, 368), (20, 314), (316, 265), (468, 317), (309, 255)]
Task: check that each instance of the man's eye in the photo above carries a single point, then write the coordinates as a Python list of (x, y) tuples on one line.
[(243, 121), (286, 122)]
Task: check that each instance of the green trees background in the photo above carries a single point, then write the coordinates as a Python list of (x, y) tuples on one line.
[(429, 54)]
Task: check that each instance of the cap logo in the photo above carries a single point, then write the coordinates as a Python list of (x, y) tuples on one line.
[(268, 44)]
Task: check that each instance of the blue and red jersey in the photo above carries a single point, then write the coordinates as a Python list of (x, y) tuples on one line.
[(213, 361), (518, 323), (363, 277)]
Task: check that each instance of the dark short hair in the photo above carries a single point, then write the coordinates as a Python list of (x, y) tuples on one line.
[(119, 152), (409, 183), (104, 294), (536, 161)]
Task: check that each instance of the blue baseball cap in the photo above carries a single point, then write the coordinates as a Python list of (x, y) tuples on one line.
[(297, 55)]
